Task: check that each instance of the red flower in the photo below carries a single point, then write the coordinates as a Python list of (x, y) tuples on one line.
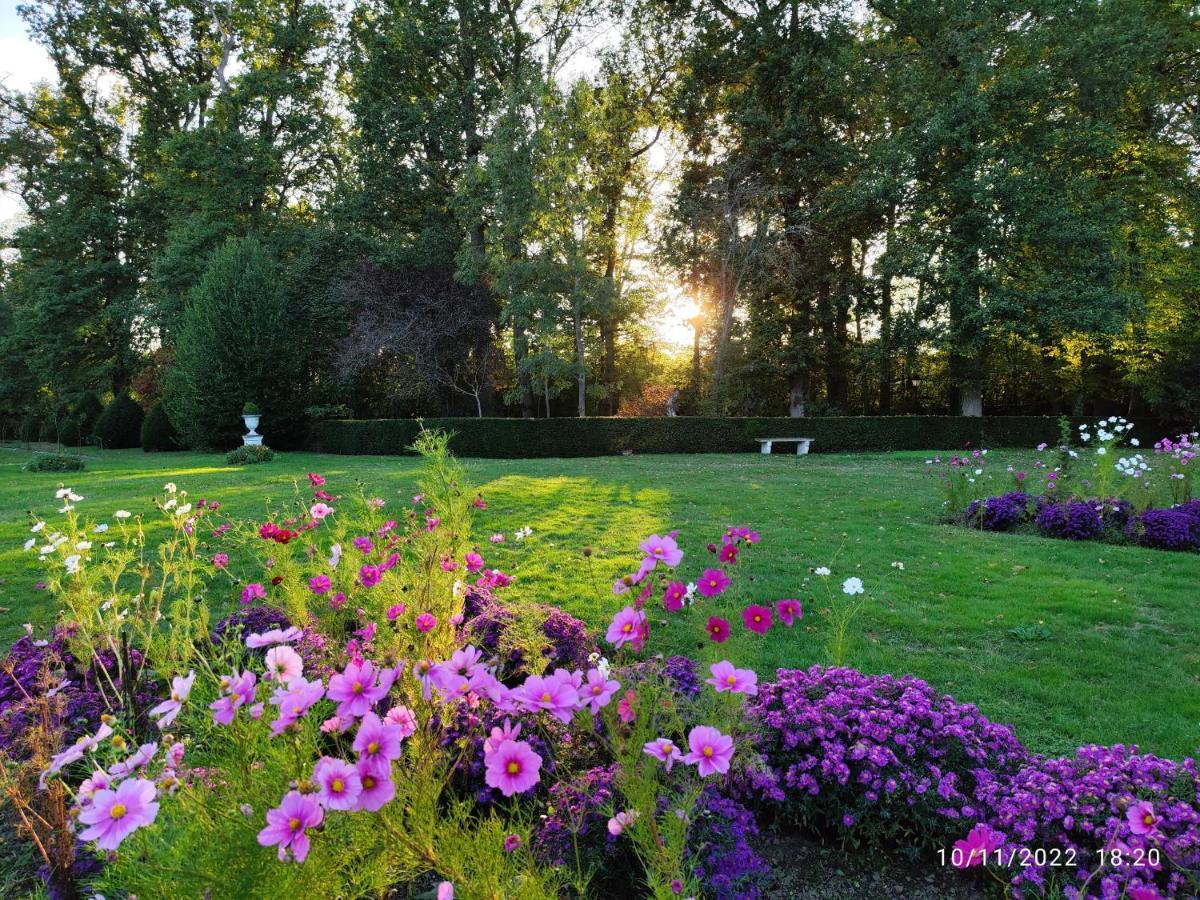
[(277, 580), (718, 629), (757, 618)]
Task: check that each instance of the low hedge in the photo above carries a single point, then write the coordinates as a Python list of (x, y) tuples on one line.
[(524, 438)]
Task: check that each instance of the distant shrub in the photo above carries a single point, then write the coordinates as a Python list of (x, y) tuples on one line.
[(248, 455), (29, 429), (69, 432), (55, 462), (120, 425), (86, 412), (157, 432)]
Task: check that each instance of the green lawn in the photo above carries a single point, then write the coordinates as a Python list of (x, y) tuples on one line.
[(1117, 659)]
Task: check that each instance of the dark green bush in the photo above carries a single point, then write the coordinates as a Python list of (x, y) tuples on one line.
[(120, 425), (69, 432), (30, 428), (54, 462), (86, 412), (247, 455), (48, 431), (157, 432), (516, 438)]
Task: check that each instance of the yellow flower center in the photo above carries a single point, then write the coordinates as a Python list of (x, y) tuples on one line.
[(293, 824), (1148, 819), (731, 680), (627, 628), (358, 688), (337, 785), (545, 696), (118, 810), (373, 747), (668, 749), (708, 751), (757, 617), (513, 767), (368, 782), (658, 551)]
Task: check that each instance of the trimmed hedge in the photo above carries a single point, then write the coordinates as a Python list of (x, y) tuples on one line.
[(120, 425), (157, 431), (524, 438)]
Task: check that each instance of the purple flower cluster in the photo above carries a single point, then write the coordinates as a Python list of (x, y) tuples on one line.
[(721, 848), (486, 620), (1176, 528), (683, 673), (1103, 798), (1072, 520), (576, 816), (1002, 513), (879, 757)]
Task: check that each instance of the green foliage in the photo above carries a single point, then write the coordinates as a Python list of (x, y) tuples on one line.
[(250, 408), (120, 425), (248, 455), (30, 428), (157, 431), (69, 432), (87, 411), (55, 462), (239, 336), (517, 438)]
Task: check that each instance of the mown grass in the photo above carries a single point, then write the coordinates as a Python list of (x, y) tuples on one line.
[(1107, 642)]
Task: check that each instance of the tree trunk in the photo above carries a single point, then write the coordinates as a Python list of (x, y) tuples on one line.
[(798, 395), (580, 361)]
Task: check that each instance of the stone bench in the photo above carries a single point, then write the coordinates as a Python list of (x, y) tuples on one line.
[(800, 442)]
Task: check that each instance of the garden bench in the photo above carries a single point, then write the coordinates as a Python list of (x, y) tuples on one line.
[(800, 442)]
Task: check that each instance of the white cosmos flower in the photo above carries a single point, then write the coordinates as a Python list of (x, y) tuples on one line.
[(84, 545), (122, 514), (335, 555), (29, 543), (65, 508), (110, 544), (101, 528), (184, 510), (852, 586), (169, 487), (170, 504), (38, 526), (1101, 451), (1134, 442), (821, 570), (61, 492), (73, 563)]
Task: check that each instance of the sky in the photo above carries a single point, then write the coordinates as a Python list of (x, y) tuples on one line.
[(22, 64)]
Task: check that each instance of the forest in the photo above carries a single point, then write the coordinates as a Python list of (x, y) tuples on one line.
[(391, 208)]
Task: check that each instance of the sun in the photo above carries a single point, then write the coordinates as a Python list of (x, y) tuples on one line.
[(672, 324)]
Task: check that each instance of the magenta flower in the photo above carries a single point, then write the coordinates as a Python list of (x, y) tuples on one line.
[(369, 575), (718, 629), (284, 664), (166, 711), (512, 768), (663, 749), (661, 550), (711, 751), (378, 789), (286, 825), (253, 591), (320, 584), (1141, 817), (598, 691), (512, 842), (728, 554), (712, 583), (294, 700), (497, 538), (725, 678), (474, 561), (757, 618), (973, 851), (338, 783), (220, 560), (113, 815), (626, 626), (627, 708), (788, 611), (395, 611), (447, 564), (238, 691), (426, 622), (377, 742), (355, 690), (316, 480), (673, 596), (554, 695), (445, 891)]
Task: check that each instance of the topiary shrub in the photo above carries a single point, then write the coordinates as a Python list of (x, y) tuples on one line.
[(120, 425), (55, 462), (86, 412), (248, 455), (158, 435)]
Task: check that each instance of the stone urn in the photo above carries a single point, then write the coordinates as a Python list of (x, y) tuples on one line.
[(253, 439)]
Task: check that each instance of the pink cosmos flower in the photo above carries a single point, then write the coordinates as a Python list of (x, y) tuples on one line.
[(274, 636), (320, 510), (512, 768), (511, 843), (320, 584), (363, 544), (725, 678), (788, 611), (673, 596), (556, 696), (252, 592), (432, 522), (448, 564), (497, 538), (138, 759), (403, 718), (338, 783), (757, 618), (711, 751), (712, 582), (622, 820), (378, 789), (294, 700), (474, 561), (445, 891), (426, 622), (315, 480), (661, 550), (238, 691), (1141, 817), (286, 825), (718, 629), (395, 611), (663, 749), (166, 711), (626, 626), (369, 575), (973, 851), (728, 554), (115, 814), (75, 752), (283, 664), (598, 691), (220, 560), (355, 690), (98, 781), (627, 708)]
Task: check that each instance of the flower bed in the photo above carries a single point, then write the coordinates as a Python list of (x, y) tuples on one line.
[(375, 715)]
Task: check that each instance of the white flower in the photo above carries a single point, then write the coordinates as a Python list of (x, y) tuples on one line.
[(1072, 454), (38, 526), (1134, 442), (101, 528), (335, 555), (84, 545), (593, 657), (110, 544), (73, 563), (169, 487), (65, 508), (61, 492), (852, 586), (28, 628), (979, 471), (898, 565), (170, 504), (1085, 437), (122, 514), (983, 453), (821, 570), (602, 667), (74, 497), (29, 543), (184, 510), (1101, 451)]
